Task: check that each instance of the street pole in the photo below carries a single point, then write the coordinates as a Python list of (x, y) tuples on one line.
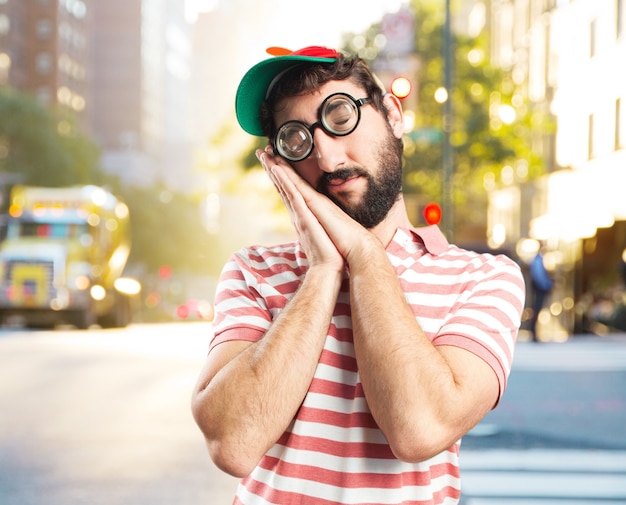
[(448, 218)]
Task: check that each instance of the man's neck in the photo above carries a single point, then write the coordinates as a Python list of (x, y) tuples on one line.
[(397, 217)]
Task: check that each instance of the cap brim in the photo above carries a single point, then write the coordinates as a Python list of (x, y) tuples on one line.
[(253, 88)]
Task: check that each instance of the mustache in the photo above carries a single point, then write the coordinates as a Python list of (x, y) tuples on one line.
[(341, 174)]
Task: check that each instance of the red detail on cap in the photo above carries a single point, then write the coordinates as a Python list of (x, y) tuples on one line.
[(313, 51)]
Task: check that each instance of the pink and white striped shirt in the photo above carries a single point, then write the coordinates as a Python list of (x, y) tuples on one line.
[(333, 452)]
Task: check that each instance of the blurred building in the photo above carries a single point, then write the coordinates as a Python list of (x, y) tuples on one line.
[(45, 50), (141, 80), (123, 66), (567, 57)]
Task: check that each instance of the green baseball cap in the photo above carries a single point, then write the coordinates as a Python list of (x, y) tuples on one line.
[(259, 80)]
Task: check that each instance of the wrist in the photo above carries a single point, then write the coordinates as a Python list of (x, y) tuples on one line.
[(325, 273), (368, 251)]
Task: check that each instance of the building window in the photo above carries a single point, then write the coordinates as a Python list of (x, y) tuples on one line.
[(592, 38), (43, 63), (618, 124), (5, 24), (5, 66), (77, 8), (44, 95), (590, 147), (44, 29)]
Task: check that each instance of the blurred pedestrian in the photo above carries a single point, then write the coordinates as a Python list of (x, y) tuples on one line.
[(346, 366), (542, 285), (623, 267)]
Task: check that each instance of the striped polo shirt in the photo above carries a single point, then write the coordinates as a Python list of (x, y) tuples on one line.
[(333, 452)]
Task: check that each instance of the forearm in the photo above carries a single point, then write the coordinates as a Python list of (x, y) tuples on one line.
[(410, 387), (247, 405)]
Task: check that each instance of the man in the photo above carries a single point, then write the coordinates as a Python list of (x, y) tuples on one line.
[(542, 285), (346, 366)]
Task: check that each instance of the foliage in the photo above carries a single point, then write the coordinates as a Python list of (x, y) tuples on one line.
[(487, 151), (483, 145), (41, 146), (44, 147), (167, 230)]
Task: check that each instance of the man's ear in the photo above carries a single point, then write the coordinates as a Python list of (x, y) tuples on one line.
[(395, 117)]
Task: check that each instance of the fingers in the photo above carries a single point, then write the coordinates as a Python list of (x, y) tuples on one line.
[(279, 173), (296, 194), (299, 194), (267, 162), (291, 187)]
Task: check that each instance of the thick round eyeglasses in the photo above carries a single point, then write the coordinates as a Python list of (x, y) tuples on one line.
[(339, 115)]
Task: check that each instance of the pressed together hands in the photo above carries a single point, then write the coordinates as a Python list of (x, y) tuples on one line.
[(326, 233)]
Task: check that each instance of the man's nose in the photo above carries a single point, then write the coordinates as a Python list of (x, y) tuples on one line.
[(329, 151)]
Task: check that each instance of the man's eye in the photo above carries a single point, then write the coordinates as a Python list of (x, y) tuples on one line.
[(295, 140), (341, 118), (340, 114)]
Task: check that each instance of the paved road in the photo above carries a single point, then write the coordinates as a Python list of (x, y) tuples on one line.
[(102, 417), (559, 435)]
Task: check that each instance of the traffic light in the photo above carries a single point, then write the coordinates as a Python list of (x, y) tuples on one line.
[(165, 272), (432, 213), (401, 87)]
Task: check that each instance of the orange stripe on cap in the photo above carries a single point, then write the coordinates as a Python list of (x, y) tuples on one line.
[(278, 51), (312, 51)]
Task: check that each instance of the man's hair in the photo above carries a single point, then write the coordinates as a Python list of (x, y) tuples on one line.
[(307, 77)]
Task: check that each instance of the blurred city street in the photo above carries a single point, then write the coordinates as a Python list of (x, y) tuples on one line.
[(125, 185), (102, 417)]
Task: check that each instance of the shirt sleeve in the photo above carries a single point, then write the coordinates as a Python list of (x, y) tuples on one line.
[(254, 286), (487, 318), (240, 311)]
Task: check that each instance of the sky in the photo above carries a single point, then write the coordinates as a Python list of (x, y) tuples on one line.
[(247, 27), (298, 22), (238, 34)]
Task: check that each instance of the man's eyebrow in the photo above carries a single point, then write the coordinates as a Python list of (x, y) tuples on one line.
[(319, 109), (318, 115)]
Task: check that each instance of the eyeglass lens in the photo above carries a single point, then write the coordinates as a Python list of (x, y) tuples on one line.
[(339, 116)]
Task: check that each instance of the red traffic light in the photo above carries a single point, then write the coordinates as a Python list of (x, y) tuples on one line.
[(432, 213), (165, 272), (401, 87)]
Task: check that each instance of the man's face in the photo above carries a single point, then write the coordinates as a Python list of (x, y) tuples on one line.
[(360, 172)]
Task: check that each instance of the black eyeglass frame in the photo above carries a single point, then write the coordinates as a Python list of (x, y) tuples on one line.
[(358, 102)]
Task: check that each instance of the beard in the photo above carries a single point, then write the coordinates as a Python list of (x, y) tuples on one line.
[(383, 189)]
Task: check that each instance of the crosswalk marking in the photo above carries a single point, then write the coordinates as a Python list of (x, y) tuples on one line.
[(541, 477), (544, 460)]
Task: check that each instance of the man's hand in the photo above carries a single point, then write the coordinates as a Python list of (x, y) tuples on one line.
[(324, 230), (249, 392), (298, 195)]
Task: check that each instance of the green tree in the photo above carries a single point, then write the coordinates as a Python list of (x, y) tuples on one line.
[(43, 146), (166, 229), (483, 142)]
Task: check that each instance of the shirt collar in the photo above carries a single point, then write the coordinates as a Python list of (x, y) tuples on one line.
[(434, 241)]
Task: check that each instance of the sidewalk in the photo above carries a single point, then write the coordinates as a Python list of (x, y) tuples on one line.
[(579, 352), (543, 477)]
